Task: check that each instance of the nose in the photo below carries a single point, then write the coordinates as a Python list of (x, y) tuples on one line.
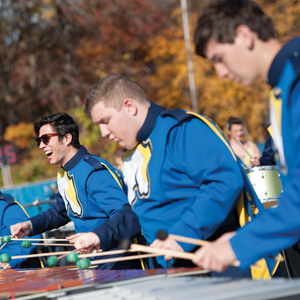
[(221, 70), (42, 145), (104, 130)]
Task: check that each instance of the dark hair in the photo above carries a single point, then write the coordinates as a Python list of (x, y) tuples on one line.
[(233, 120), (220, 19), (62, 124), (112, 90)]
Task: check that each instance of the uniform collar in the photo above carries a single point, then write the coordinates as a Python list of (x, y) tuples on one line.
[(153, 112), (75, 159), (280, 59)]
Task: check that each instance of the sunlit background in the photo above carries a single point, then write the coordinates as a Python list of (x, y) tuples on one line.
[(52, 52)]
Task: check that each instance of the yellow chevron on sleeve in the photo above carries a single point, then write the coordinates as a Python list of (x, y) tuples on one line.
[(112, 174)]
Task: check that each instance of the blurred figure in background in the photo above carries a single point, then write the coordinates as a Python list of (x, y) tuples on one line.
[(235, 130), (119, 158), (54, 190)]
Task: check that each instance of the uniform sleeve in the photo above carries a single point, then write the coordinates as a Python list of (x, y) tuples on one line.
[(107, 192), (198, 152), (279, 227), (124, 225), (54, 217), (14, 214)]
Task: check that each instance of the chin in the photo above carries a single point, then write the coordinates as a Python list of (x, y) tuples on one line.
[(248, 83)]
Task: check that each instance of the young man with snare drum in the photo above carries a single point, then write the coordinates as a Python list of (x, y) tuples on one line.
[(91, 193), (239, 39)]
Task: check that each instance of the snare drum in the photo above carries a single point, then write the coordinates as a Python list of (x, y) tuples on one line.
[(266, 183)]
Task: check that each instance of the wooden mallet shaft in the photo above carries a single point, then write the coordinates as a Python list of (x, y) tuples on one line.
[(124, 258), (53, 240), (176, 254), (105, 253), (52, 244), (40, 254), (147, 249), (188, 240), (162, 235), (243, 147)]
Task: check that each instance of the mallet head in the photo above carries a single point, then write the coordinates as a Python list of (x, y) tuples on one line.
[(161, 235)]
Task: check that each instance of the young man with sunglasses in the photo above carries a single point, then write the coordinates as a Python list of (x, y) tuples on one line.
[(91, 193), (239, 39)]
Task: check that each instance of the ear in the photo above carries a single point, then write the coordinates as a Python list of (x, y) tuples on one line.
[(245, 36), (68, 138), (130, 107)]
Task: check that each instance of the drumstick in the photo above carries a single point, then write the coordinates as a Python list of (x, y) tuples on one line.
[(184, 255), (84, 263), (53, 240), (5, 242), (64, 255), (162, 235), (52, 244), (243, 147), (30, 255), (106, 253)]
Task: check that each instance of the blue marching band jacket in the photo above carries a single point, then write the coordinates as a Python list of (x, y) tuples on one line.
[(92, 195), (187, 180), (11, 212), (279, 227)]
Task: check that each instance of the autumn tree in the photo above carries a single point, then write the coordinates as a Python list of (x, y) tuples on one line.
[(52, 52), (217, 99)]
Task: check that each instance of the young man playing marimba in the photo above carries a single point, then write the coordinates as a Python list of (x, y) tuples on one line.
[(182, 177), (10, 213), (91, 192)]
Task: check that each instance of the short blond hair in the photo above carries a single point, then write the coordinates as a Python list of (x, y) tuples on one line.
[(112, 90)]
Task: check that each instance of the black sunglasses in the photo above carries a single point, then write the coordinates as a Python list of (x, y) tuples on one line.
[(45, 138)]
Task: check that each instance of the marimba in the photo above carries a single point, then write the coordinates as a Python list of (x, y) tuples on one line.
[(62, 283), (18, 283)]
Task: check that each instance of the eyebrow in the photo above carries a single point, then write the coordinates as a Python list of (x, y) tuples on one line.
[(104, 119), (215, 58)]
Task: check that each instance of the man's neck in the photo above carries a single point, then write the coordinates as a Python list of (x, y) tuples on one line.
[(266, 52), (71, 153)]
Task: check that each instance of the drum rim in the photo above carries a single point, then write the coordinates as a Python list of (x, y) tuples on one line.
[(261, 168), (273, 199)]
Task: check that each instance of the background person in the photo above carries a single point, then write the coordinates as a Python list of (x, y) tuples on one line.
[(235, 130), (119, 158)]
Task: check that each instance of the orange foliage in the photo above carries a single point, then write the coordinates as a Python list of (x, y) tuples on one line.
[(218, 99)]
